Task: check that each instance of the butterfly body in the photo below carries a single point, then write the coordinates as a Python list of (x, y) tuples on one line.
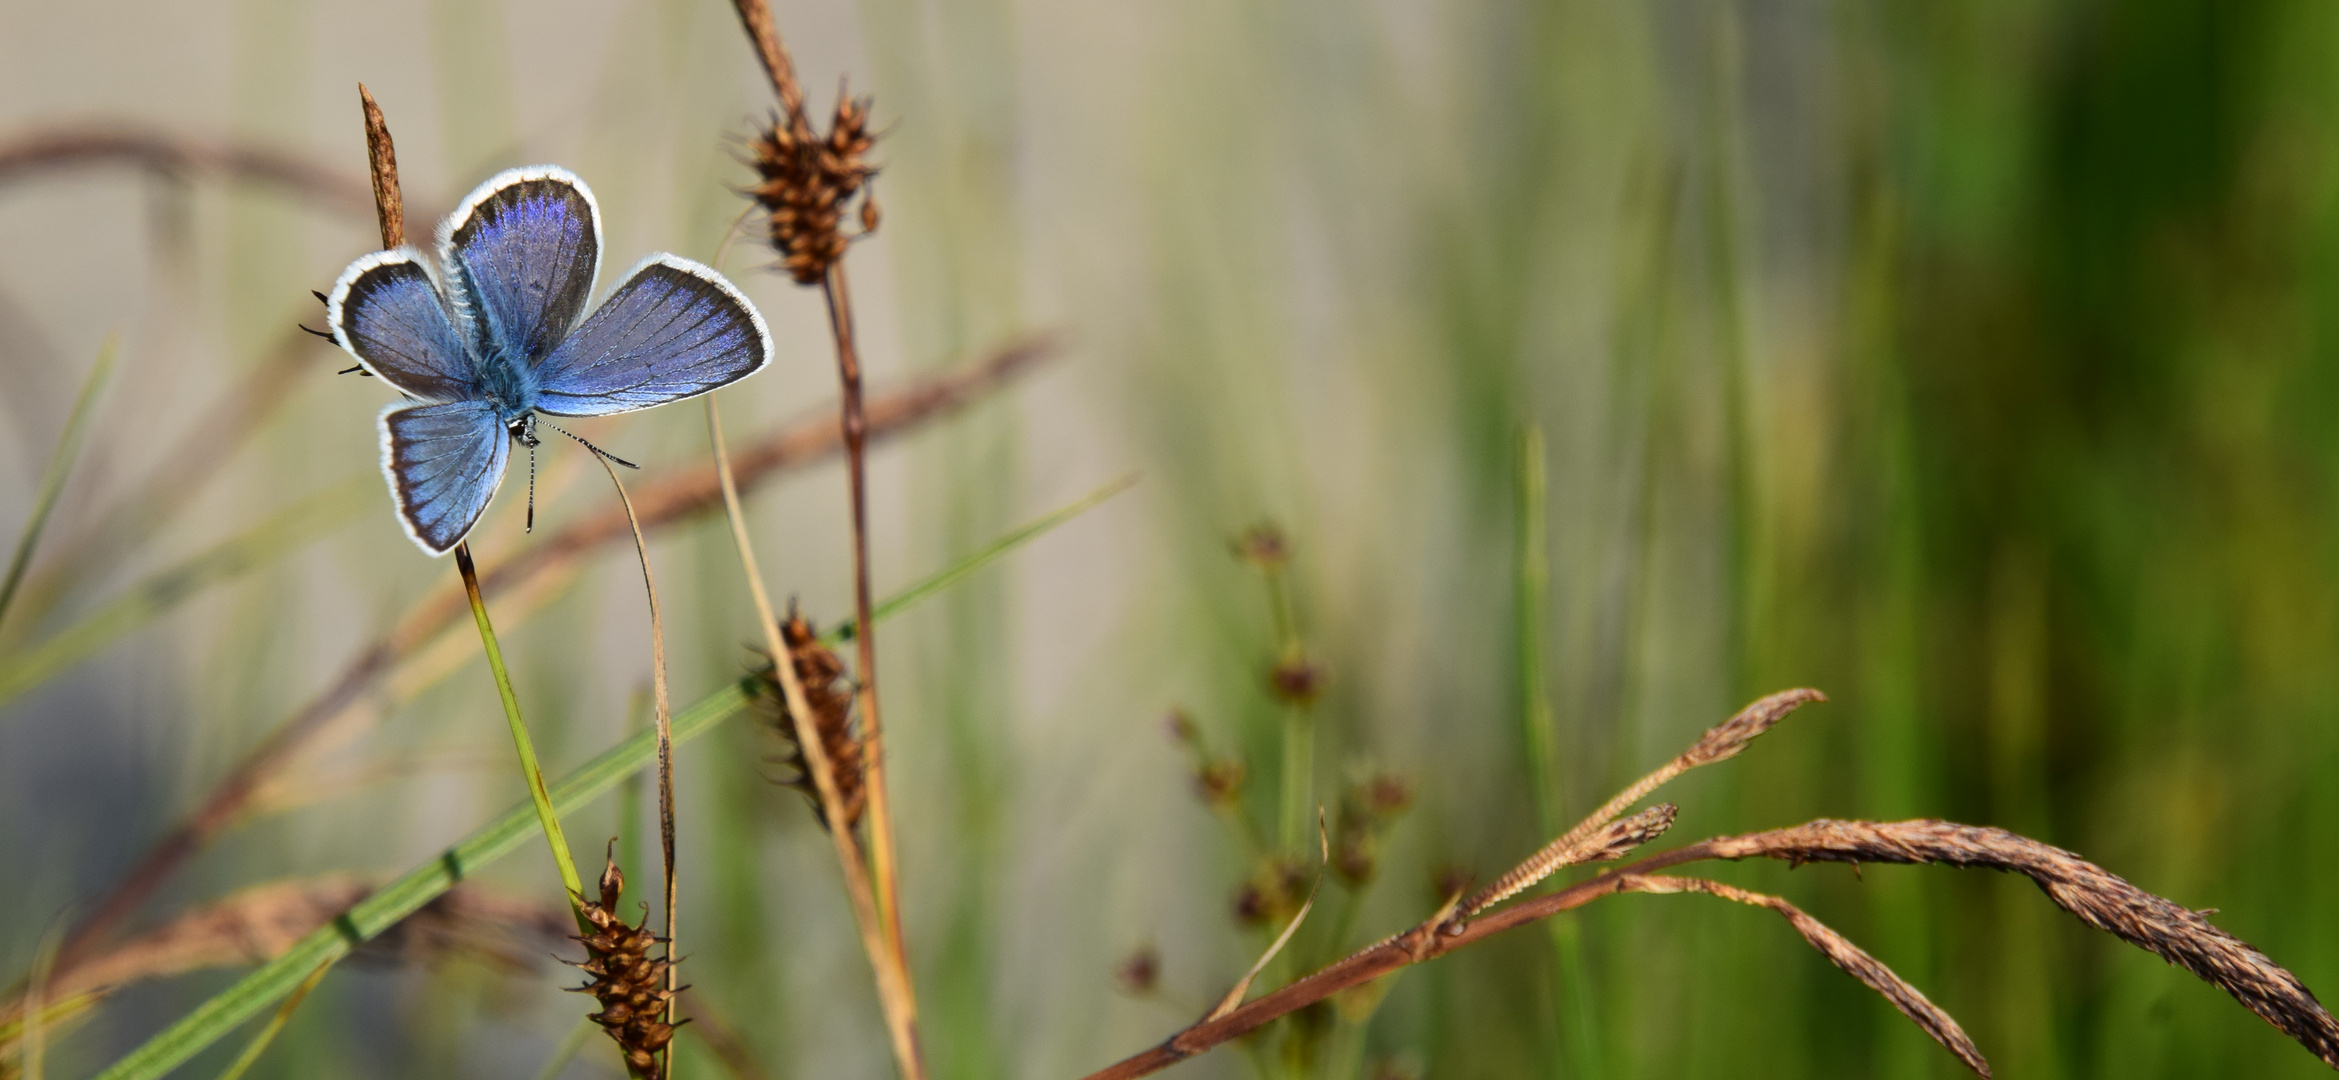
[(502, 330)]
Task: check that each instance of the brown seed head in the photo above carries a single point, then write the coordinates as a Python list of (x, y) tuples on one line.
[(807, 183), (1262, 546), (1295, 681), (621, 974), (1140, 972), (1725, 739), (2099, 898), (1220, 782), (830, 696), (1181, 728)]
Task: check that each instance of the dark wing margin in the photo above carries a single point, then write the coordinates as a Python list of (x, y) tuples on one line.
[(386, 311), (672, 329), (524, 249), (444, 463)]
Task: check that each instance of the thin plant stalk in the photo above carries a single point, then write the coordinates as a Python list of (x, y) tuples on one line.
[(893, 978), (529, 770), (267, 1035), (1532, 579), (838, 293), (60, 464), (665, 724), (1299, 729)]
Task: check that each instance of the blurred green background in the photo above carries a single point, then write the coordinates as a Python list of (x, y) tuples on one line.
[(1970, 362)]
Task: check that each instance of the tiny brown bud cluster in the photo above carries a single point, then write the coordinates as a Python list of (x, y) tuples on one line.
[(1139, 973), (629, 983), (1367, 809), (1218, 781), (829, 695), (1295, 681), (1262, 546), (1274, 893), (808, 182)]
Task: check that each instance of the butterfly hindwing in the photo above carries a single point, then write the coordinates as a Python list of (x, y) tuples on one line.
[(672, 329), (444, 462), (523, 250), (386, 311)]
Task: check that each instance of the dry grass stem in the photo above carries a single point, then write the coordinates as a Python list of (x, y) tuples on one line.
[(665, 724), (808, 180), (1612, 842), (894, 994), (1720, 743), (73, 146), (1242, 986), (856, 428), (2099, 898), (1839, 950), (673, 496)]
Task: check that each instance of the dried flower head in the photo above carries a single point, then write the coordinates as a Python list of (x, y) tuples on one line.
[(1181, 728), (830, 695), (1295, 681), (1219, 782), (1382, 796), (808, 181), (1262, 546), (629, 983), (1277, 888), (2099, 898), (1139, 973)]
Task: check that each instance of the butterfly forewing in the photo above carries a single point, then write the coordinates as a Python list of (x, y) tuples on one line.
[(524, 248), (444, 462), (386, 311), (672, 329)]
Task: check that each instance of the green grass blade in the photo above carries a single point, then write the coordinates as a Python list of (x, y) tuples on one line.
[(275, 1026), (61, 463), (547, 816), (950, 575), (223, 1013), (288, 529)]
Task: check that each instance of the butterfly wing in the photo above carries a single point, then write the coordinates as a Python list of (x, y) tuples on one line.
[(385, 310), (524, 248), (444, 462), (672, 329)]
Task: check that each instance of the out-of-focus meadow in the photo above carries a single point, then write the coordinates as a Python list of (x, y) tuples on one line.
[(1971, 362)]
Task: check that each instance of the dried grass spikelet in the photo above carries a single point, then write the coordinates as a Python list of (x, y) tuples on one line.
[(2099, 898), (808, 183), (629, 983), (1610, 843), (1840, 951), (829, 693)]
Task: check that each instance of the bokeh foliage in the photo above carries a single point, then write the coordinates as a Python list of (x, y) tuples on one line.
[(1967, 361)]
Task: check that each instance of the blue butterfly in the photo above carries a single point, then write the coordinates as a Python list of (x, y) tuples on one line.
[(493, 336)]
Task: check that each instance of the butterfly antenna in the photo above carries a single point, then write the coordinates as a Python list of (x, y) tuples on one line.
[(593, 448), (531, 488)]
